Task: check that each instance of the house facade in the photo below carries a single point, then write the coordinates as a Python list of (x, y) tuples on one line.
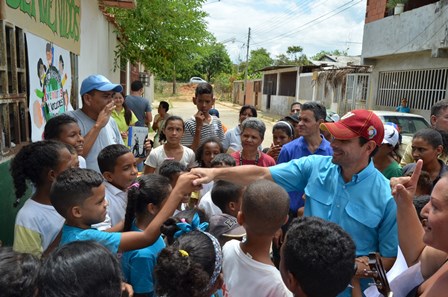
[(65, 41), (409, 54), (339, 83)]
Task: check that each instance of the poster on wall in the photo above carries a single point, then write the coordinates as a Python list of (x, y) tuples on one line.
[(50, 82)]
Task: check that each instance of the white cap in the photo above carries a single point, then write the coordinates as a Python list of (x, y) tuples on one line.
[(391, 135)]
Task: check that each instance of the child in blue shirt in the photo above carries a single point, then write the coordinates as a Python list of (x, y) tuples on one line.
[(145, 199), (79, 196)]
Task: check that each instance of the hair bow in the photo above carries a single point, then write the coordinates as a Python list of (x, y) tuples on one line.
[(185, 227)]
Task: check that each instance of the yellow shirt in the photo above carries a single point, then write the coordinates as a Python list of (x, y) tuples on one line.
[(121, 122)]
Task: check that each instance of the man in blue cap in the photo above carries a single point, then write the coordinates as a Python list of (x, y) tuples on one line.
[(97, 126)]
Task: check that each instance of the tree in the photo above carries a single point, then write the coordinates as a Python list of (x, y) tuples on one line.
[(293, 51), (213, 61), (259, 59), (321, 54), (282, 59), (296, 57), (163, 35)]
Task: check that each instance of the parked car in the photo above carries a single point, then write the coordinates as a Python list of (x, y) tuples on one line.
[(197, 80), (407, 123)]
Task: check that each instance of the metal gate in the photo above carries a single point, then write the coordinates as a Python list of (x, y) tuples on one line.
[(356, 90), (422, 88)]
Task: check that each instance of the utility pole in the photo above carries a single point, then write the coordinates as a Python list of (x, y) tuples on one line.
[(247, 64)]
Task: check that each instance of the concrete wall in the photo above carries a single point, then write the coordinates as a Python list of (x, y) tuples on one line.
[(413, 31), (252, 96), (279, 104), (98, 42)]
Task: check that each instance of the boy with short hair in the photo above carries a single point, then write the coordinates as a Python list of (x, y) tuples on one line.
[(247, 266), (227, 196), (118, 166), (202, 125), (317, 258), (78, 196)]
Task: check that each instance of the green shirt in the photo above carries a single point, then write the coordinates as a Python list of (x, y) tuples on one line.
[(393, 170), (121, 122)]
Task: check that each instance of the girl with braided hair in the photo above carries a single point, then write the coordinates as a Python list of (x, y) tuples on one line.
[(191, 266), (145, 198), (38, 223)]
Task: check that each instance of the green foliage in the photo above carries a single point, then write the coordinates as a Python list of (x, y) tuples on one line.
[(213, 61), (293, 56), (321, 54), (259, 59), (223, 86), (163, 35)]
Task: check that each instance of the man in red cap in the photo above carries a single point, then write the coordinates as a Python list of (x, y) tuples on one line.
[(344, 188)]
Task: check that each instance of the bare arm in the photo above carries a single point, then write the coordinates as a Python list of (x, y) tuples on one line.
[(410, 230), (148, 169), (138, 240), (148, 118), (199, 117), (242, 175), (92, 135)]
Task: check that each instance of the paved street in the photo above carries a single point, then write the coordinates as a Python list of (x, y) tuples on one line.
[(228, 113)]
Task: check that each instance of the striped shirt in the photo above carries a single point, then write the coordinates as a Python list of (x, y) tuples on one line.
[(212, 129)]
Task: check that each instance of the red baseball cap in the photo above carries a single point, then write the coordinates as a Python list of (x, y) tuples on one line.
[(357, 123)]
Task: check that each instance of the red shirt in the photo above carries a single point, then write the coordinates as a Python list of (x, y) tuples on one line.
[(263, 161)]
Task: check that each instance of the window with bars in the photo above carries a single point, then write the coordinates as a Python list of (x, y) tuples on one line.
[(14, 117), (422, 87)]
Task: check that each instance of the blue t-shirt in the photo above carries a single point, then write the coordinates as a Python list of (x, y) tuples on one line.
[(403, 109), (139, 106), (138, 265), (363, 207), (297, 149), (111, 240)]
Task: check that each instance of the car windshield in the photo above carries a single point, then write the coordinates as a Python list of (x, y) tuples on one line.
[(407, 125)]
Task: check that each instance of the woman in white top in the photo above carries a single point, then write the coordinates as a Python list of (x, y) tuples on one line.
[(172, 131), (232, 138)]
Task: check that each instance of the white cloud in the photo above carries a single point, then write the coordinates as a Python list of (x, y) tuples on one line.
[(315, 25)]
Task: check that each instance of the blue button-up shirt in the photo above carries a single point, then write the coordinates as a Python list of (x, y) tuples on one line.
[(297, 149), (363, 207)]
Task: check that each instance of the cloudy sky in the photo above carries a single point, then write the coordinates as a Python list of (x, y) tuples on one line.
[(315, 25)]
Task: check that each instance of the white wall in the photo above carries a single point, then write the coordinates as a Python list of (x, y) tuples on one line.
[(98, 42), (417, 30)]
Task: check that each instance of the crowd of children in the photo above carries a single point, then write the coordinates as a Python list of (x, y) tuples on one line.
[(111, 233)]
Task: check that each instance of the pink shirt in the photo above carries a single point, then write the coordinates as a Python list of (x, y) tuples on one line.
[(264, 160)]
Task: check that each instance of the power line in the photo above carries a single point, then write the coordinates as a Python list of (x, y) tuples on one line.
[(272, 27), (281, 18), (315, 21)]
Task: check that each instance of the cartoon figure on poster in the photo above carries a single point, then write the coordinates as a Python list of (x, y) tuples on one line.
[(50, 83), (52, 94)]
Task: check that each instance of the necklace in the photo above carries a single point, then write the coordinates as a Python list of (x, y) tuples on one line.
[(256, 157)]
